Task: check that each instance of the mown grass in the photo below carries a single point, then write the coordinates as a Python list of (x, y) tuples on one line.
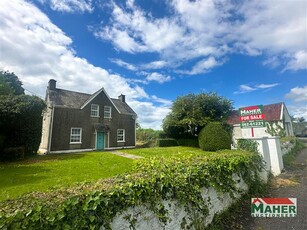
[(165, 151), (46, 173)]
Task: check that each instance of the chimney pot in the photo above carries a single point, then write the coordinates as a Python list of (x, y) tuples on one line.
[(52, 84)]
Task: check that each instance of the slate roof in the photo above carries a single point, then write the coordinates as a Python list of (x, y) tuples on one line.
[(271, 113), (76, 100)]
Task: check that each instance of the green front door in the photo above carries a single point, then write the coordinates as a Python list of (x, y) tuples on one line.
[(100, 141)]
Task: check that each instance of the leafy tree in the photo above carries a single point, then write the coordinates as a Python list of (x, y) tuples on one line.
[(20, 119), (12, 81), (190, 113)]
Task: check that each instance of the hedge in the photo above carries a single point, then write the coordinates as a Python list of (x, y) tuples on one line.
[(167, 142), (157, 179), (188, 142), (214, 137)]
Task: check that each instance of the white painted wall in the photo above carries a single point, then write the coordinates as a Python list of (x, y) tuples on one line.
[(146, 219)]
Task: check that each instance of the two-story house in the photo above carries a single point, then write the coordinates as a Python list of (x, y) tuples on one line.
[(75, 121)]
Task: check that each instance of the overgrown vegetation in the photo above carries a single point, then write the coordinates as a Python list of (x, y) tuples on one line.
[(274, 129), (288, 158), (248, 145), (179, 177), (214, 137), (20, 119), (147, 137)]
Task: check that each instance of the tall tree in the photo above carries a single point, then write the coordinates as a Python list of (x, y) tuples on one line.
[(12, 81), (190, 113), (20, 119)]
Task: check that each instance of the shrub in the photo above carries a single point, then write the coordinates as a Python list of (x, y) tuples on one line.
[(167, 142), (248, 145), (188, 142), (13, 153), (213, 137)]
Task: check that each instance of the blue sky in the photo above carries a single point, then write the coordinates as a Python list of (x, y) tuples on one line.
[(252, 52)]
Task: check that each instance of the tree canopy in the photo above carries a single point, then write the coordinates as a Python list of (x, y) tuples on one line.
[(20, 119), (190, 113), (10, 84)]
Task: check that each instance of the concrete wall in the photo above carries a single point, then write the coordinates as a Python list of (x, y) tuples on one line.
[(146, 219), (270, 149)]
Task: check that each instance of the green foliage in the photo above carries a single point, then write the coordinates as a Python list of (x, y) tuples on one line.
[(192, 142), (180, 178), (248, 145), (10, 84), (147, 137), (190, 113), (20, 123), (289, 158), (213, 137), (274, 129), (167, 142), (289, 139)]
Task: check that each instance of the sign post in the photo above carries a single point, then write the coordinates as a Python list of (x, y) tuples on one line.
[(252, 117)]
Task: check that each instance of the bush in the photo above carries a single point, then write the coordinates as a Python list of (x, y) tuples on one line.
[(188, 142), (14, 153), (167, 142), (248, 145), (213, 137)]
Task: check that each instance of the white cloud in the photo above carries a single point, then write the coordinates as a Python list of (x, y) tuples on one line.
[(202, 66), (160, 78), (298, 94), (70, 6), (124, 64), (298, 61), (154, 65), (36, 50), (212, 29), (248, 89)]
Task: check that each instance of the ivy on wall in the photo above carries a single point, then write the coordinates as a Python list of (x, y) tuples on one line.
[(157, 179)]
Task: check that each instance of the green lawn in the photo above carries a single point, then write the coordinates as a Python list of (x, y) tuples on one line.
[(43, 173), (165, 151)]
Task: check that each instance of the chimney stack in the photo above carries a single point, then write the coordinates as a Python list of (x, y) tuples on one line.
[(52, 84), (122, 98)]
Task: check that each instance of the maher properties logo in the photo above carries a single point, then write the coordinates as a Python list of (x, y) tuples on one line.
[(274, 207)]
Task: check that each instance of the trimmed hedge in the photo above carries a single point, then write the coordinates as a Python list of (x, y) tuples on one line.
[(157, 179), (188, 142), (214, 137), (167, 142)]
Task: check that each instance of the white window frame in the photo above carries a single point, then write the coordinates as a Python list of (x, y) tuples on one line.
[(74, 135), (109, 112), (121, 137), (94, 111)]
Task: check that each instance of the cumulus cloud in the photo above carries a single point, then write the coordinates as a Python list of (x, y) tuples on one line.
[(248, 89), (298, 94), (36, 50), (210, 30), (298, 97), (160, 78), (70, 6)]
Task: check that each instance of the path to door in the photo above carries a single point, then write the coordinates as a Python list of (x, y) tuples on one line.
[(291, 184), (125, 155)]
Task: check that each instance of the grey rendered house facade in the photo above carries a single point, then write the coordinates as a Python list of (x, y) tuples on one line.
[(75, 121)]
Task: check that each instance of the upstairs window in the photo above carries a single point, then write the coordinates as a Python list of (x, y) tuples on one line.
[(120, 135), (75, 135), (94, 110), (107, 112)]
